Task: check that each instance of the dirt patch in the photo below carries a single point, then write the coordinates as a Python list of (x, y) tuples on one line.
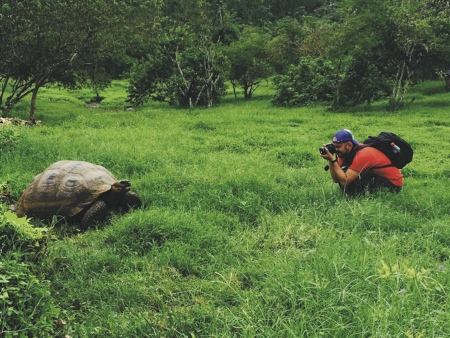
[(17, 122), (92, 105)]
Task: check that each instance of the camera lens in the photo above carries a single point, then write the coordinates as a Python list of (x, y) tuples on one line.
[(329, 146)]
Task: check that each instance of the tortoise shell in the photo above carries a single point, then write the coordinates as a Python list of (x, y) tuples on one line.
[(65, 188)]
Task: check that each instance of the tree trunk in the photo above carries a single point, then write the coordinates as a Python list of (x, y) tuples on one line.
[(246, 87), (234, 88), (33, 104), (395, 96), (336, 96), (445, 77), (4, 111), (5, 83), (447, 82)]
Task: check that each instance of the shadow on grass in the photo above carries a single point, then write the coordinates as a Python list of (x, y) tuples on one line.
[(431, 104), (381, 107), (428, 88), (230, 99)]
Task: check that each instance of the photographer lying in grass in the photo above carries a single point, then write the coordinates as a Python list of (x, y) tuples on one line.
[(358, 167)]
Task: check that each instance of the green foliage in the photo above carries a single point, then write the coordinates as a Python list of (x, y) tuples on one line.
[(354, 81), (267, 13), (398, 37), (295, 39), (26, 306), (183, 52), (227, 34), (178, 79), (17, 234), (183, 65), (70, 43), (9, 137), (151, 79), (283, 50), (249, 63), (362, 82), (310, 81), (5, 193)]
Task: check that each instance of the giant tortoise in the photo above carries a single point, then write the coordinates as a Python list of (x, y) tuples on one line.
[(76, 188)]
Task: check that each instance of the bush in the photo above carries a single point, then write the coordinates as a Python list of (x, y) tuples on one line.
[(361, 82), (159, 79), (306, 83), (5, 192), (355, 81), (26, 307), (16, 234)]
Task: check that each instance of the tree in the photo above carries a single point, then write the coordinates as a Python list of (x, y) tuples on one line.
[(438, 58), (266, 13), (179, 71), (184, 65), (395, 35), (412, 39), (249, 63), (295, 39), (54, 41), (284, 49)]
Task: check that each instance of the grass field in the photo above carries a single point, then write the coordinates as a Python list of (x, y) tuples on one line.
[(242, 233)]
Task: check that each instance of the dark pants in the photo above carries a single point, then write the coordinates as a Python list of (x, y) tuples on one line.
[(369, 182)]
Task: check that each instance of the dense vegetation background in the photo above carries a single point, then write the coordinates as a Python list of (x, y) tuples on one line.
[(183, 52), (241, 233)]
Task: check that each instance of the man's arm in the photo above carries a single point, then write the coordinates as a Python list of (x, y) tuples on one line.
[(337, 174)]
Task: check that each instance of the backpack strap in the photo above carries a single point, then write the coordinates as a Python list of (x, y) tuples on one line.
[(351, 157), (353, 154), (383, 166)]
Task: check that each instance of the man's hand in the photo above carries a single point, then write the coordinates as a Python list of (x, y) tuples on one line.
[(328, 156)]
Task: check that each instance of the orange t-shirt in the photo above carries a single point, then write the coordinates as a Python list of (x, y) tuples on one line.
[(368, 158)]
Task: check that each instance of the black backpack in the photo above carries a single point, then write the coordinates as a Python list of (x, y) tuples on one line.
[(383, 143)]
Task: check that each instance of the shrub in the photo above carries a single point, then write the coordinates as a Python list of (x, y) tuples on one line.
[(184, 83), (308, 82), (17, 234), (361, 82), (26, 307), (5, 192), (354, 81)]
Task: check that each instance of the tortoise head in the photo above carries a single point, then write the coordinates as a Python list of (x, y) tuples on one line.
[(121, 187)]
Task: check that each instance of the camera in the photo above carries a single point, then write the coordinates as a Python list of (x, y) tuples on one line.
[(330, 147)]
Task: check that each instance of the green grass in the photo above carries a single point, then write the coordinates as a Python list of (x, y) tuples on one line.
[(242, 232)]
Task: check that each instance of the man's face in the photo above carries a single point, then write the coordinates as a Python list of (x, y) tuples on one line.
[(342, 149)]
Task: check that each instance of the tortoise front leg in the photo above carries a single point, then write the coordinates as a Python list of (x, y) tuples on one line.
[(95, 214), (129, 201)]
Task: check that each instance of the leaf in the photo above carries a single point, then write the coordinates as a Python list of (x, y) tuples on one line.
[(10, 216)]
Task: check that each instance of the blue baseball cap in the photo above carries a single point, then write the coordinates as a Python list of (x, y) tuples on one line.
[(344, 135)]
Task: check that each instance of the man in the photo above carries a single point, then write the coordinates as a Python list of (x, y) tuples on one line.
[(360, 168)]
